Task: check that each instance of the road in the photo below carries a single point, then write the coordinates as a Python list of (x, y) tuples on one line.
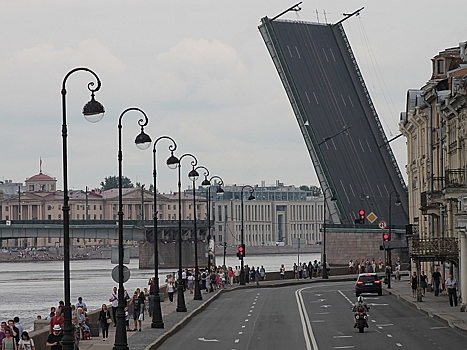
[(314, 317)]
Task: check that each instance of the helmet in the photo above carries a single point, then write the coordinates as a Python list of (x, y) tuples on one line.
[(360, 299)]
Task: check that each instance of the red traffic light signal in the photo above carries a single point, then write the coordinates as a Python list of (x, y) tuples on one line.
[(241, 251), (361, 214), (386, 237)]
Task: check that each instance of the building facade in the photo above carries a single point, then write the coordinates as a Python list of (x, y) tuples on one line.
[(277, 214), (435, 126), (42, 201)]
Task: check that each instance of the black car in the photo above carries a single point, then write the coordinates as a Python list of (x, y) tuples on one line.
[(368, 283)]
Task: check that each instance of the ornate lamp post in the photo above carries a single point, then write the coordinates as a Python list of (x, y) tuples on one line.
[(181, 306), (93, 111), (219, 190), (156, 300), (389, 263), (242, 238), (325, 270), (142, 141), (205, 182)]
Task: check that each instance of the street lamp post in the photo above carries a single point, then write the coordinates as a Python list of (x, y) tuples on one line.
[(181, 306), (389, 263), (156, 299), (242, 237), (205, 182), (219, 191), (93, 111), (325, 270), (142, 141)]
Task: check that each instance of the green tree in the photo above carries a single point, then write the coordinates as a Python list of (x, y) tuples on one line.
[(304, 188), (112, 182), (316, 190)]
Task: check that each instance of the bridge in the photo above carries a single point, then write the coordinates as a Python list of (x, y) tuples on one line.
[(133, 230)]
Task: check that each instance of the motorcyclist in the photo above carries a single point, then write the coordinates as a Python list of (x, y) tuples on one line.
[(360, 306)]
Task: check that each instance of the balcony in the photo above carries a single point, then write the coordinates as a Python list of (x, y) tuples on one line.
[(434, 249), (456, 184)]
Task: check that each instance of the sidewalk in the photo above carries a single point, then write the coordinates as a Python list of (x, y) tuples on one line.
[(437, 307)]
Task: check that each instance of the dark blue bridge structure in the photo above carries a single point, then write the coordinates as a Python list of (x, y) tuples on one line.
[(342, 131)]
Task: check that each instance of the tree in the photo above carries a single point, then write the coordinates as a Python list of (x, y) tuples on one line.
[(112, 182), (304, 188), (316, 190)]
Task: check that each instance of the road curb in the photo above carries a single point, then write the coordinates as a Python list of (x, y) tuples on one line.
[(451, 321)]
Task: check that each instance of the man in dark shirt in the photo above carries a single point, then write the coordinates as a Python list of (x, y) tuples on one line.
[(436, 281), (14, 330), (54, 340)]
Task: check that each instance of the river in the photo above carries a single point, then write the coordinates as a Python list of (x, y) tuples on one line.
[(29, 289)]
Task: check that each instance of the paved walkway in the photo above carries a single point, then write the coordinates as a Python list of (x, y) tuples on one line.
[(437, 307)]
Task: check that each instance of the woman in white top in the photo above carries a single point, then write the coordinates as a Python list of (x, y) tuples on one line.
[(26, 342)]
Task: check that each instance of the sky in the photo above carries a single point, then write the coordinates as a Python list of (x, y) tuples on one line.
[(201, 73)]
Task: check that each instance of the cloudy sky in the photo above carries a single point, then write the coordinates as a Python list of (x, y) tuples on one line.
[(201, 72)]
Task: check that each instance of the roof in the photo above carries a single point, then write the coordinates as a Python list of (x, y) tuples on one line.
[(40, 177)]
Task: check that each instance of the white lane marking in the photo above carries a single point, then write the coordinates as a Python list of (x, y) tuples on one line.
[(246, 320), (240, 332), (325, 306), (344, 347), (310, 340), (389, 336), (318, 295), (203, 339), (318, 301), (237, 340), (343, 336), (385, 325), (373, 321), (243, 326), (398, 344), (372, 304), (250, 311), (254, 303), (438, 327), (317, 321), (322, 313), (249, 315), (345, 297)]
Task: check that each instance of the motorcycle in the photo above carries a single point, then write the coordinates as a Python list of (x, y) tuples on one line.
[(362, 320)]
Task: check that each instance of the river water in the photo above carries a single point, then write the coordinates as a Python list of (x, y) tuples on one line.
[(28, 289)]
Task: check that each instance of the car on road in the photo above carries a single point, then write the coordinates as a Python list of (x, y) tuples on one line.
[(368, 283)]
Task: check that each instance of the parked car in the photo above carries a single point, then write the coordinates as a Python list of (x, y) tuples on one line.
[(41, 249), (368, 283)]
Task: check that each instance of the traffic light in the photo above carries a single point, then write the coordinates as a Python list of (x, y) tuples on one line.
[(361, 217), (386, 237), (241, 251), (225, 247)]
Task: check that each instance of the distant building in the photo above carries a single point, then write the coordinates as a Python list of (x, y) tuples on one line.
[(278, 214), (42, 201)]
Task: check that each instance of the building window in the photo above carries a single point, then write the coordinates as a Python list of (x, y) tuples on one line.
[(52, 187), (49, 217), (101, 216), (440, 66), (7, 208), (41, 187), (95, 216), (220, 228), (168, 207), (31, 187), (94, 207)]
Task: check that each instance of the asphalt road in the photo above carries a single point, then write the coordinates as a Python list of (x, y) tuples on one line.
[(312, 317)]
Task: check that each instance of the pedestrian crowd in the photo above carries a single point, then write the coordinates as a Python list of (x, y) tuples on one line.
[(14, 337)]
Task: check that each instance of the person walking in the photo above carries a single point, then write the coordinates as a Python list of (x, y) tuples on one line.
[(26, 342), (436, 281), (414, 283), (170, 288), (104, 318), (282, 271), (423, 284), (114, 300), (8, 343), (451, 285)]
